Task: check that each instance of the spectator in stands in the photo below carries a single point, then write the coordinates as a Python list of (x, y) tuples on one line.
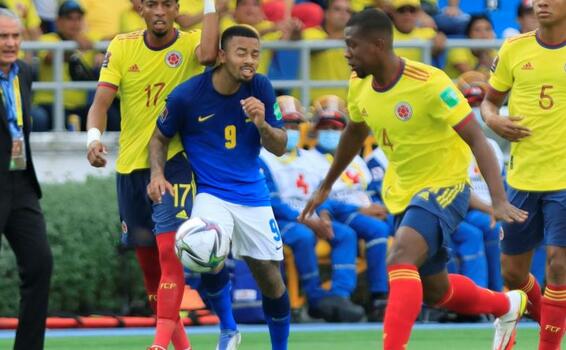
[(291, 180), (330, 64), (47, 11), (78, 66), (130, 20), (450, 20), (349, 203), (461, 60), (405, 15), (103, 17), (25, 9), (525, 18)]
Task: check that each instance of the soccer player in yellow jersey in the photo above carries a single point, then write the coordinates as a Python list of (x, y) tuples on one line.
[(531, 69), (426, 128), (144, 67)]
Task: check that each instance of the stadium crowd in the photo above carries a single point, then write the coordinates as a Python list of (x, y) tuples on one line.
[(354, 229)]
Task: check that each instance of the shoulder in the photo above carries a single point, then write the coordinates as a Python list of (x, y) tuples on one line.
[(423, 33), (25, 70), (189, 35), (127, 38), (261, 84), (419, 71), (50, 37), (518, 42), (189, 88)]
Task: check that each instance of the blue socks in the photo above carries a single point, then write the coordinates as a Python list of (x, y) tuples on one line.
[(218, 289), (278, 318)]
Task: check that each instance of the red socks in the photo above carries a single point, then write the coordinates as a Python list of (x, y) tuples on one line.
[(465, 297), (532, 289), (403, 306), (553, 317)]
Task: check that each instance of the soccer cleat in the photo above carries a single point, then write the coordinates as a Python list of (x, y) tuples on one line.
[(506, 324), (229, 340)]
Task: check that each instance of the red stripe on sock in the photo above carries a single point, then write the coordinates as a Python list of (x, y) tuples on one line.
[(533, 291), (403, 306)]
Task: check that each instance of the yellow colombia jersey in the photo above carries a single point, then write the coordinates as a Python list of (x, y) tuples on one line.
[(536, 76), (144, 78), (413, 122)]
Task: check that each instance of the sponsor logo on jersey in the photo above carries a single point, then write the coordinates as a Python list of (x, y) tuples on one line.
[(364, 113), (527, 66), (134, 68), (163, 115), (204, 118), (403, 111), (174, 59), (106, 60), (277, 111)]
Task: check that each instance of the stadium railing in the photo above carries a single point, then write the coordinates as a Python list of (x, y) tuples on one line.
[(304, 83)]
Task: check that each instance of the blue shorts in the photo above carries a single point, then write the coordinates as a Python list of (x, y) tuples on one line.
[(435, 214), (546, 221), (140, 218)]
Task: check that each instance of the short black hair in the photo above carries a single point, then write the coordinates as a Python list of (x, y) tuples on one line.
[(524, 9), (372, 20), (475, 18), (238, 30)]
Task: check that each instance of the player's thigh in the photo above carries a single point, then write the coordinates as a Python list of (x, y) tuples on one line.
[(554, 212), (519, 238), (209, 207), (174, 209), (135, 208), (256, 233)]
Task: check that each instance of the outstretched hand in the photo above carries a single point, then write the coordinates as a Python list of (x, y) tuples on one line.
[(509, 213), (157, 188), (314, 202)]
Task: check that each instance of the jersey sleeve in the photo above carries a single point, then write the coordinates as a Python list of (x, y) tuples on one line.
[(194, 43), (266, 94), (501, 78), (111, 71), (446, 102), (170, 119), (353, 111)]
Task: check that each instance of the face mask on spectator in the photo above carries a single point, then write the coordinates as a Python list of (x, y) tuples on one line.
[(292, 139), (328, 139)]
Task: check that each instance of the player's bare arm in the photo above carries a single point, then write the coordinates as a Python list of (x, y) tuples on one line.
[(96, 124), (477, 203), (158, 146), (351, 142), (207, 51), (506, 127), (470, 131), (273, 139)]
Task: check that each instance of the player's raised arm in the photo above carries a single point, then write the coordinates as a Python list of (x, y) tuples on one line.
[(207, 52), (96, 124), (470, 131), (158, 146), (351, 142)]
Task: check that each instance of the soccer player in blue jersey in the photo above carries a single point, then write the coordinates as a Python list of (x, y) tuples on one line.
[(223, 117)]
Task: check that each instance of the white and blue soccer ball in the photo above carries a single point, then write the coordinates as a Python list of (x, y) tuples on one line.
[(201, 245)]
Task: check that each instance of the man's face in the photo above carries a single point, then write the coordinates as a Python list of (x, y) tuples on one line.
[(159, 15), (481, 29), (10, 40), (360, 52), (241, 57), (405, 18), (248, 12), (136, 4), (338, 14), (70, 25), (550, 12)]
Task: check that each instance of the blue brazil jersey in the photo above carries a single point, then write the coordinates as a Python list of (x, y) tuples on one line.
[(222, 143)]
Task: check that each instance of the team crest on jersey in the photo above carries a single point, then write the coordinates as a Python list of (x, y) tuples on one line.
[(173, 59), (106, 59), (403, 111)]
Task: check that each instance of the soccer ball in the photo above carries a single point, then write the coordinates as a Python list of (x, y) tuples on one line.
[(201, 245)]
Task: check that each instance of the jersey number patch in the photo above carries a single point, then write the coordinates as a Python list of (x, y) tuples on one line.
[(153, 92), (230, 136)]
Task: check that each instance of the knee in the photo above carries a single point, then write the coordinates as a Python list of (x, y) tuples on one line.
[(39, 269), (556, 265), (514, 275), (433, 296), (344, 235)]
